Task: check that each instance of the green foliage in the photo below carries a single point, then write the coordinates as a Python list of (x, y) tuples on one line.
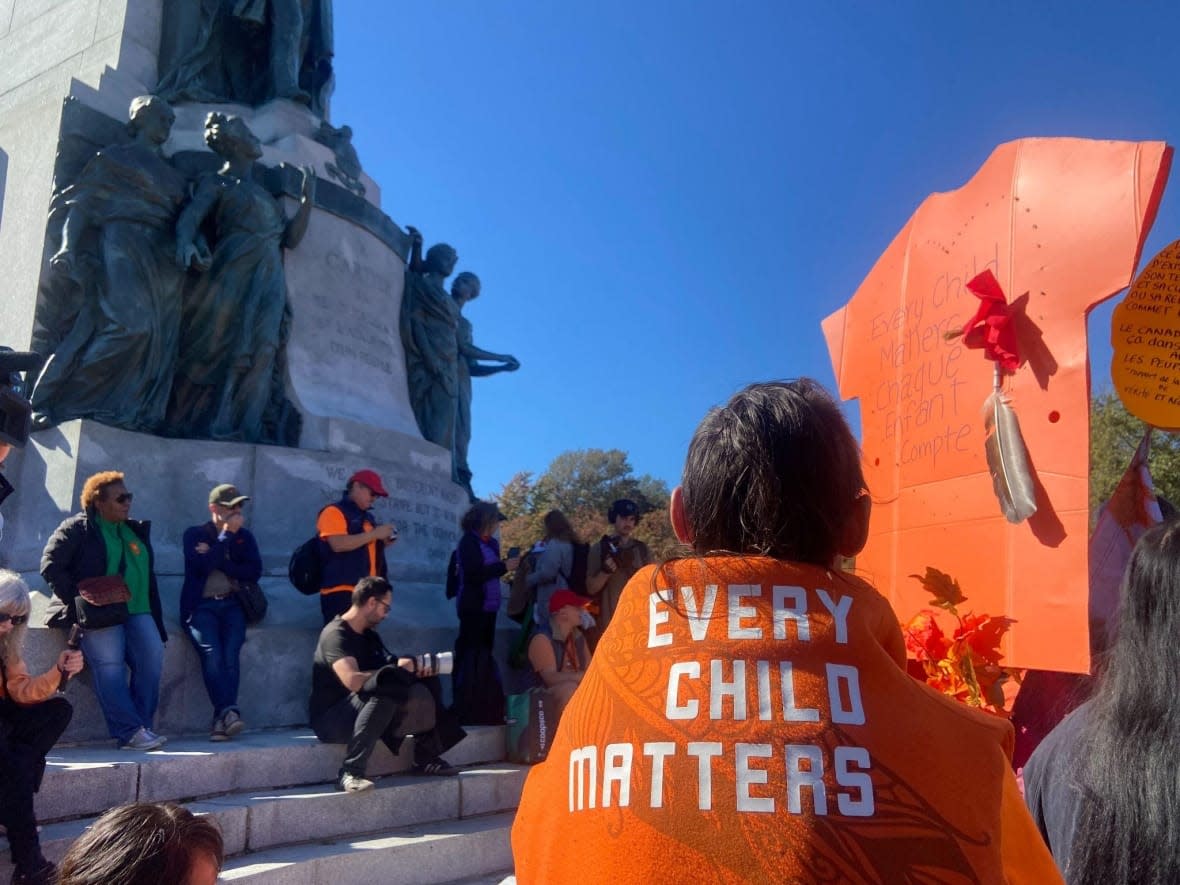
[(1114, 436), (582, 484)]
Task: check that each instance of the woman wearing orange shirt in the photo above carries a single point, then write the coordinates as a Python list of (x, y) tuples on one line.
[(747, 716)]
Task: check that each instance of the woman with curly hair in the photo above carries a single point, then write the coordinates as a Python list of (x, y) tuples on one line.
[(102, 541), (32, 718)]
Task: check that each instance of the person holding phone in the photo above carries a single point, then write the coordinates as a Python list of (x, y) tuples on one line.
[(478, 688), (32, 719)]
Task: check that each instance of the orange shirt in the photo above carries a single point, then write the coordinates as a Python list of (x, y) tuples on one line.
[(749, 720), (332, 522), (21, 688)]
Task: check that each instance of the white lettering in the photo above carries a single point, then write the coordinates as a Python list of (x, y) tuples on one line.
[(584, 758), (698, 619), (616, 769), (791, 713), (658, 751), (704, 751), (657, 614), (799, 777), (839, 610), (747, 776), (719, 689), (673, 709), (857, 780), (790, 603), (854, 712), (739, 612), (764, 690)]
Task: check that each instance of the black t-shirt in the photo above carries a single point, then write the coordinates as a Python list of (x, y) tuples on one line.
[(338, 640)]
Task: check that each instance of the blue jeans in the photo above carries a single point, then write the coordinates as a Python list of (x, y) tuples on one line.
[(109, 653), (217, 628)]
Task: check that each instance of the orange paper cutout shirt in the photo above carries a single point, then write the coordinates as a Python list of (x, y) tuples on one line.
[(1060, 222)]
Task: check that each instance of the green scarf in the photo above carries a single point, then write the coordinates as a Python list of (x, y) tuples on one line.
[(123, 545)]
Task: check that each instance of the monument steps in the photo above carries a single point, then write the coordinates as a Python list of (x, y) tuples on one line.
[(272, 794)]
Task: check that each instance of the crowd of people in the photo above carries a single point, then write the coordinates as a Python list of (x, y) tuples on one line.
[(749, 687)]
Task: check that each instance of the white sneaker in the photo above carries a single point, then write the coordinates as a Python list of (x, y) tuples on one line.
[(143, 740), (350, 783)]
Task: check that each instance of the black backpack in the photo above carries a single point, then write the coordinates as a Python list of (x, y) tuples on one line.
[(306, 568), (577, 577)]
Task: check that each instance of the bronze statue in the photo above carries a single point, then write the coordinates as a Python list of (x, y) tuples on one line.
[(428, 322), (347, 168), (230, 377), (466, 288), (247, 51), (115, 349)]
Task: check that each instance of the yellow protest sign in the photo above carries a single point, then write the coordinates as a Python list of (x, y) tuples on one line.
[(1145, 334)]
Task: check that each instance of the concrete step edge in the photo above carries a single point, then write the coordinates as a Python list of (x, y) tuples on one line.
[(84, 781), (448, 851), (262, 820)]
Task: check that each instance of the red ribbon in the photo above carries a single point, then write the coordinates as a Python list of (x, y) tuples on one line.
[(992, 328)]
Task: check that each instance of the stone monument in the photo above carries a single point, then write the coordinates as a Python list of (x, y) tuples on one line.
[(230, 194)]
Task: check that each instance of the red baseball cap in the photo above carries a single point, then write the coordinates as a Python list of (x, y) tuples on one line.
[(562, 598), (370, 479)]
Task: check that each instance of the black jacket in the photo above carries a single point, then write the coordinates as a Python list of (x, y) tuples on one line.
[(76, 551)]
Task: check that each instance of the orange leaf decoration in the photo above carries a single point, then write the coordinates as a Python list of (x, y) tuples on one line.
[(943, 589)]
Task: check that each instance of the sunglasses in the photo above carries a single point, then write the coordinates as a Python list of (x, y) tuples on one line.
[(124, 498), (17, 620)]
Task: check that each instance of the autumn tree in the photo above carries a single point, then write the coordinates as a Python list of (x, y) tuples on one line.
[(582, 484), (1114, 435)]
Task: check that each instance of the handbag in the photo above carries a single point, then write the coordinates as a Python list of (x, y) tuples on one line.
[(532, 721), (252, 600), (102, 602)]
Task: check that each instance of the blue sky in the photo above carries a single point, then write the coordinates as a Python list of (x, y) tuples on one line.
[(663, 199)]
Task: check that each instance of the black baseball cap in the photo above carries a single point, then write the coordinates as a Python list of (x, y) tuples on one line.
[(622, 507)]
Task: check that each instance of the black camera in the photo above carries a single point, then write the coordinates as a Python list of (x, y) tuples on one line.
[(16, 414)]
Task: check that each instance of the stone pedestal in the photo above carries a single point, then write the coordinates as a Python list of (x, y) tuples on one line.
[(171, 481), (68, 71)]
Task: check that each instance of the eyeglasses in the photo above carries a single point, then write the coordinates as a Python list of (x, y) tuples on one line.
[(17, 620), (386, 605), (124, 498)]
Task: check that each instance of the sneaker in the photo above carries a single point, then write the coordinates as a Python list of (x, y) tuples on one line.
[(217, 733), (438, 767), (350, 783), (143, 740), (157, 737), (45, 874), (232, 720)]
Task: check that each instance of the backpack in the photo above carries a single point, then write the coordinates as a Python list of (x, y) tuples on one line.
[(576, 579), (305, 567), (453, 579), (521, 596)]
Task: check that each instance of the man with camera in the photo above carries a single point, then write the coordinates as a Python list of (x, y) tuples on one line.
[(362, 693), (611, 563), (352, 542)]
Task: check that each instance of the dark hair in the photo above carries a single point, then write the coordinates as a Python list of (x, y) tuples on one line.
[(774, 472), (141, 844), (370, 588), (557, 526), (1127, 827), (479, 515)]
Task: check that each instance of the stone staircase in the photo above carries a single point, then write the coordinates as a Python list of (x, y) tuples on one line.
[(272, 794)]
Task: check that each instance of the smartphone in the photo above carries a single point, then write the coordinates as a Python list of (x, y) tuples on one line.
[(513, 552)]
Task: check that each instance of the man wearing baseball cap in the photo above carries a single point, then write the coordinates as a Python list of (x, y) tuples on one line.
[(559, 655), (611, 562), (352, 543), (217, 555)]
